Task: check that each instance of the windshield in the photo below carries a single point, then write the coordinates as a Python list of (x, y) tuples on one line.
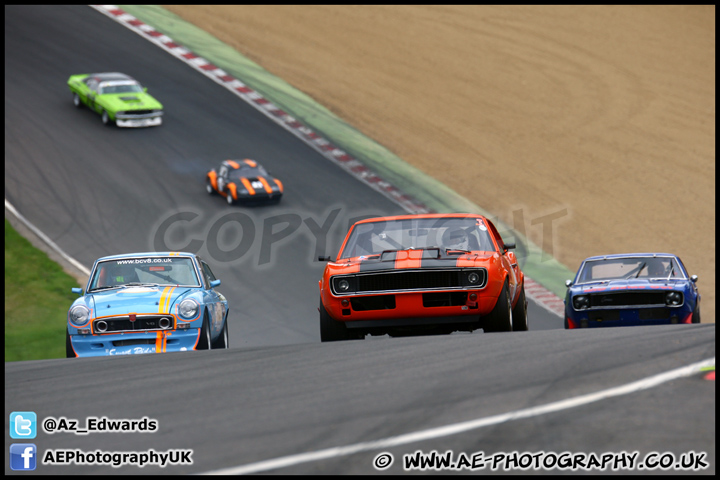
[(121, 88), (247, 172), (629, 268), (452, 233), (144, 271)]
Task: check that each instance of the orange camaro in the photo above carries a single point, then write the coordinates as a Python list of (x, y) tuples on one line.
[(428, 273)]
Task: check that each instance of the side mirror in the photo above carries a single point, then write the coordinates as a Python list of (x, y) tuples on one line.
[(694, 278), (215, 283), (145, 89), (508, 246), (325, 259), (77, 290), (568, 283)]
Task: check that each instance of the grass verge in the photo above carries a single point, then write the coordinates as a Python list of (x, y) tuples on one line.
[(37, 297)]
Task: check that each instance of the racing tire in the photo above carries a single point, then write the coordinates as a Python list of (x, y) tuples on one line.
[(696, 314), (519, 313), (76, 100), (106, 118), (209, 188), (229, 198), (204, 342), (223, 340), (500, 318), (69, 352), (331, 330)]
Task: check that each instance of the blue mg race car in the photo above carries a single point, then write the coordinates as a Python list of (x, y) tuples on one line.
[(147, 303), (631, 289)]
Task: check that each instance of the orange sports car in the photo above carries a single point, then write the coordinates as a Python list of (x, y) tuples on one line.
[(243, 181), (415, 274)]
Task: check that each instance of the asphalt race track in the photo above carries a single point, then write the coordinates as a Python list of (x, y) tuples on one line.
[(278, 391)]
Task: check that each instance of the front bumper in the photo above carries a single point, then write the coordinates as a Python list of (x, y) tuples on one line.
[(138, 122), (410, 308), (130, 343), (628, 317)]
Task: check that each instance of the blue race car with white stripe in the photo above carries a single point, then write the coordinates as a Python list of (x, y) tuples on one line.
[(631, 289), (150, 302)]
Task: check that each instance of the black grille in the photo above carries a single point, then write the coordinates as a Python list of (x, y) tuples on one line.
[(407, 281), (416, 280), (131, 113), (627, 299), (123, 324)]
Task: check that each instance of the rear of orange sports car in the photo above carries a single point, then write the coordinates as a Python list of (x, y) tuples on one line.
[(243, 181), (412, 274)]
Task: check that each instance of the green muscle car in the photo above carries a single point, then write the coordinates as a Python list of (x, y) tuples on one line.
[(118, 98)]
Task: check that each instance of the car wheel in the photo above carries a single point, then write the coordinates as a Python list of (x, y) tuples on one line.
[(209, 188), (696, 315), (223, 340), (106, 118), (76, 100), (519, 313), (229, 198), (331, 330), (500, 319), (204, 342), (68, 346)]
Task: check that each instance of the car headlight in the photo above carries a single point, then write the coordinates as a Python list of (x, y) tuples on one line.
[(188, 308), (673, 298), (79, 315), (581, 301), (472, 278), (344, 285)]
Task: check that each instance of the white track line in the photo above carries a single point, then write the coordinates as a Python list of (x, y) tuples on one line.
[(456, 428), (46, 239)]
